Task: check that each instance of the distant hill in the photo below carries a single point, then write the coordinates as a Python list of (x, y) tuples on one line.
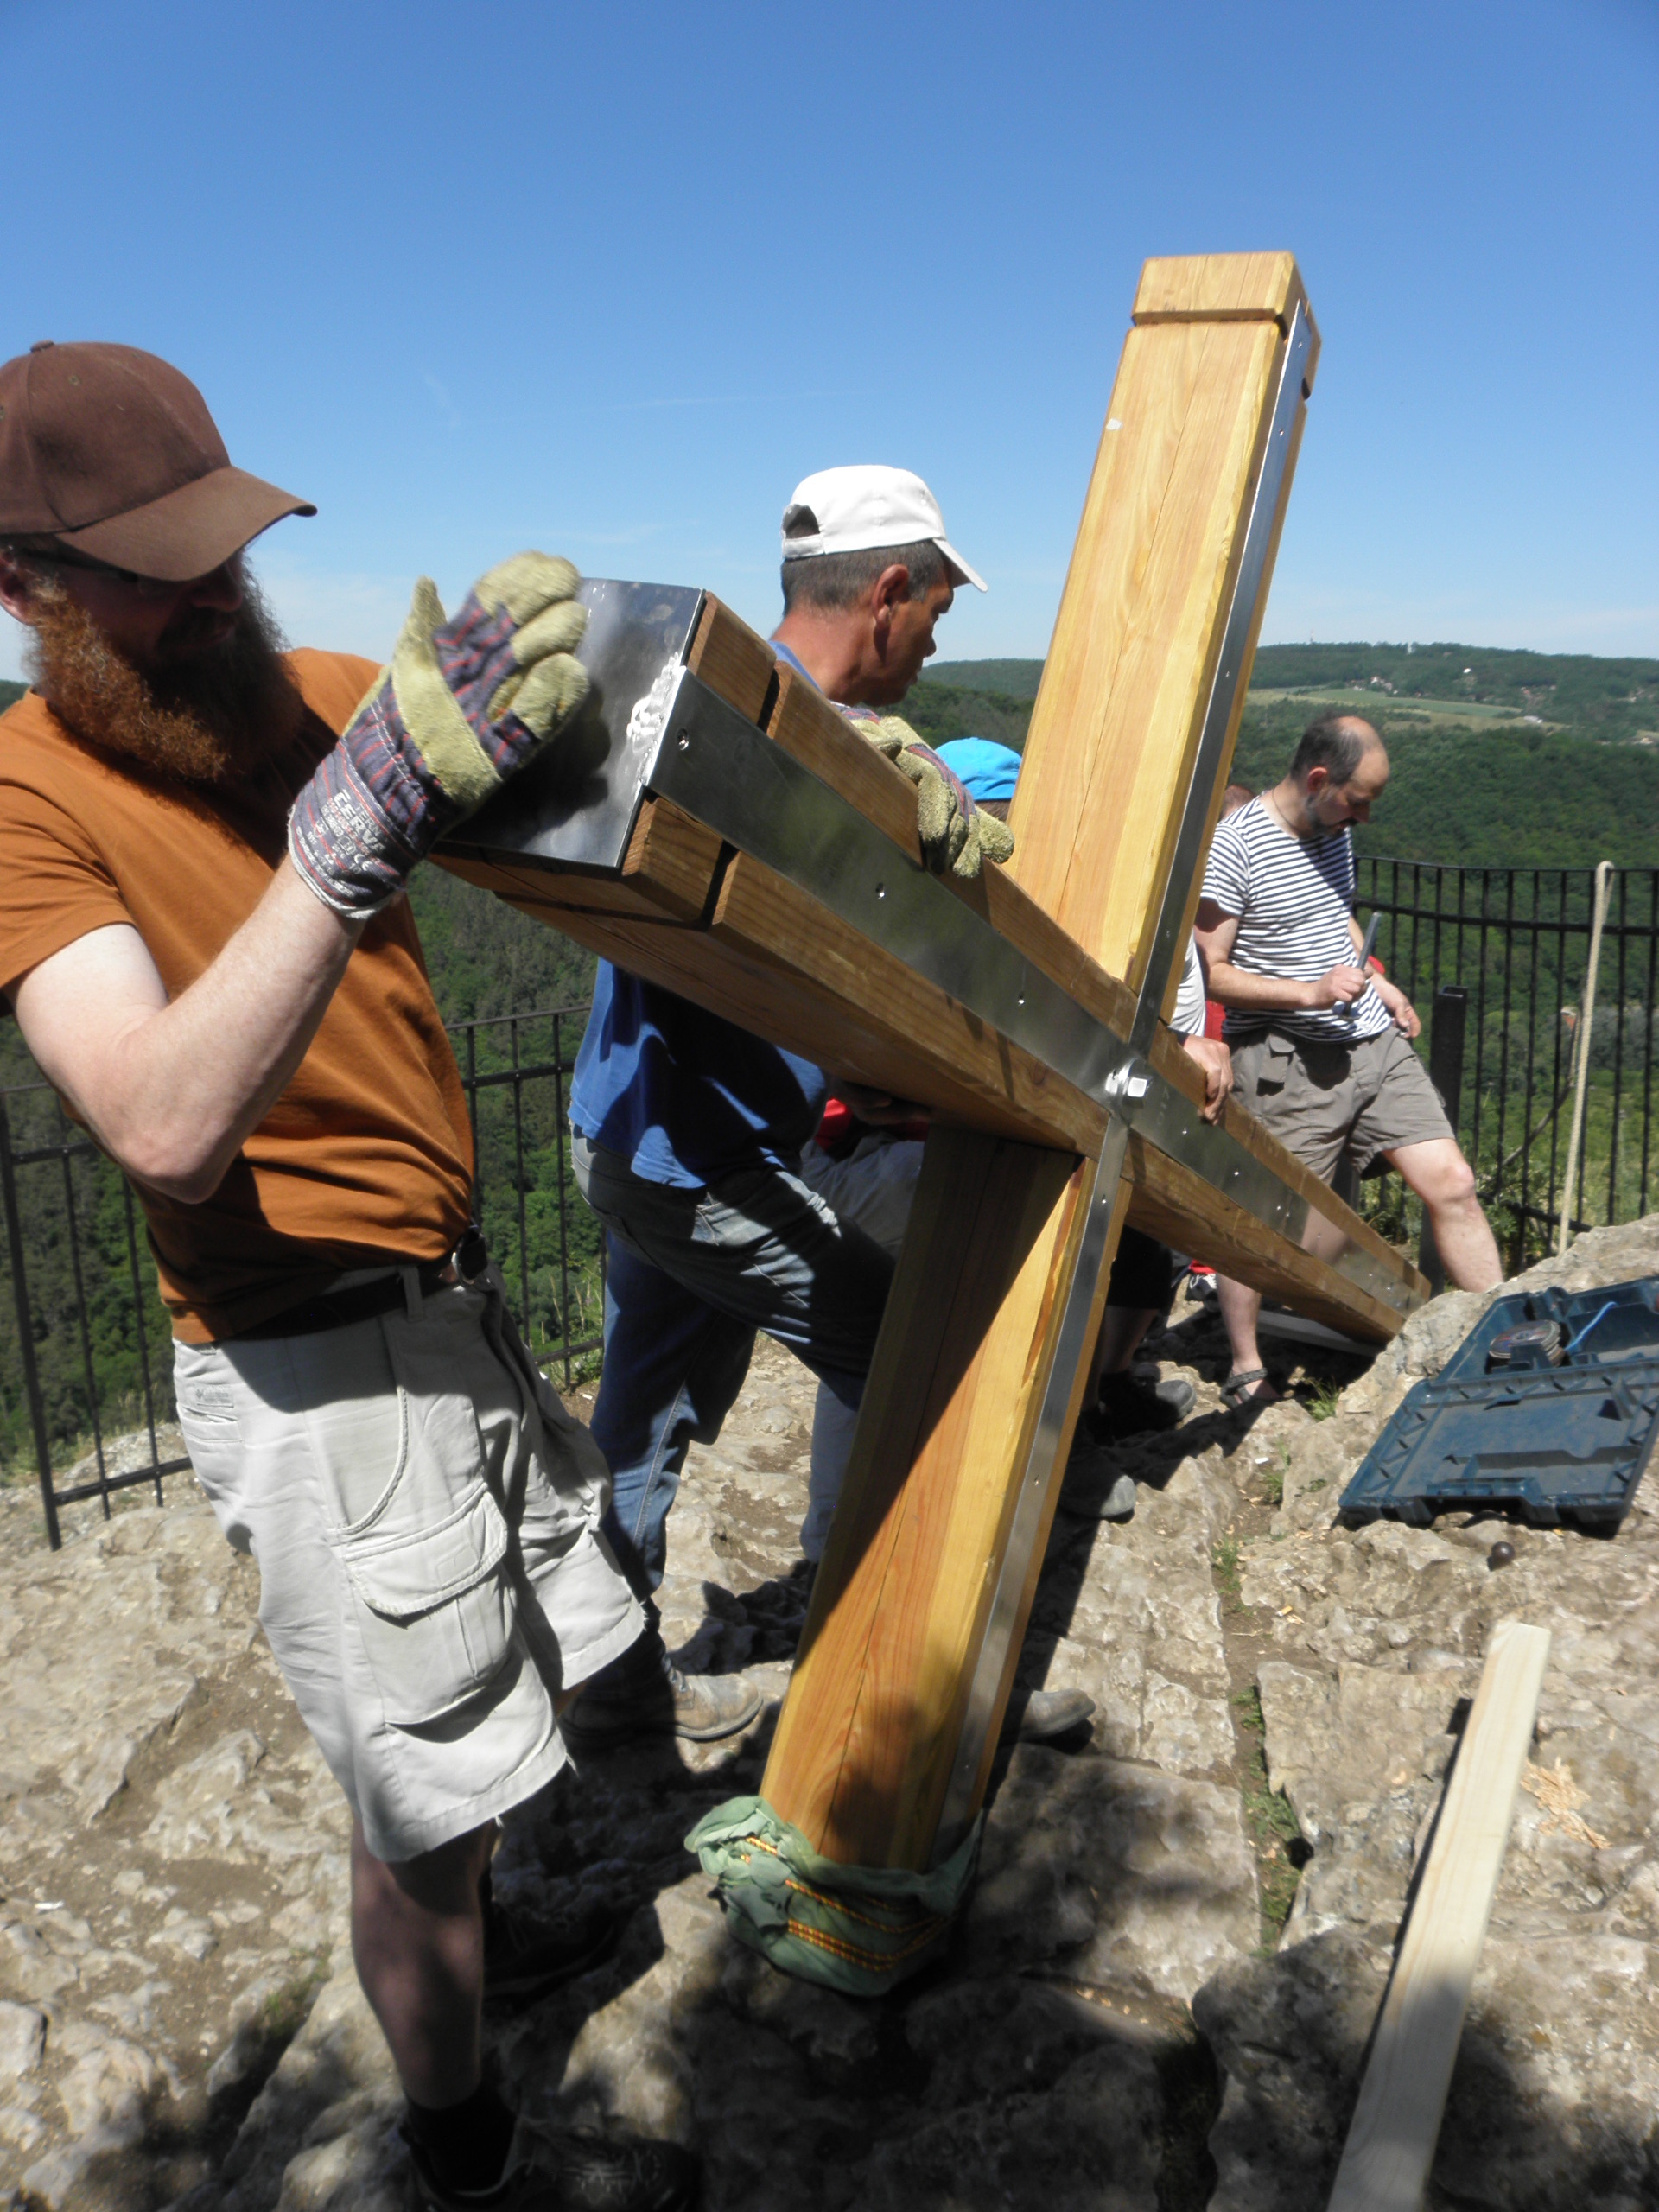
[(1609, 699), (8, 693), (1615, 700), (1474, 780), (1017, 679)]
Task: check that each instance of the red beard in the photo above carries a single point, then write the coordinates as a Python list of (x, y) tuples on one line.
[(214, 717)]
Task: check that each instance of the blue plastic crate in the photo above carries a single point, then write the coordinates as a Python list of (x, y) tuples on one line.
[(1552, 1444)]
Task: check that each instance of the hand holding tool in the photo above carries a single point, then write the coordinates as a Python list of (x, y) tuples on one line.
[(1347, 1005)]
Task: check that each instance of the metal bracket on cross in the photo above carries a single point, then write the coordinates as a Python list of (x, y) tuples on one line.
[(711, 823)]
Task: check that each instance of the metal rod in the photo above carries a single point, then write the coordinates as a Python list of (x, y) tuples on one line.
[(1446, 1036), (26, 1331), (87, 1366)]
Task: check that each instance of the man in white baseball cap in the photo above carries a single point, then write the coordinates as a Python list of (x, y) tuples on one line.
[(867, 572), (687, 1132)]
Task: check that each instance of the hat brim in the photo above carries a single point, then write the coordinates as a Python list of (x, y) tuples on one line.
[(969, 575), (191, 531)]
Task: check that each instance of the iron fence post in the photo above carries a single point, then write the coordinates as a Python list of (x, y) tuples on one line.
[(1446, 1028), (26, 1333)]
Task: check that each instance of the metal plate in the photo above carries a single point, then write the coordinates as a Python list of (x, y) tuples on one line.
[(577, 805)]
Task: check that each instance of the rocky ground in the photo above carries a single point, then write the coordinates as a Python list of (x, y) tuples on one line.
[(1123, 2024)]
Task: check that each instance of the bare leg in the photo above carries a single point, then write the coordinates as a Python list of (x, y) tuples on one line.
[(1445, 1182), (417, 1936), (1240, 1306)]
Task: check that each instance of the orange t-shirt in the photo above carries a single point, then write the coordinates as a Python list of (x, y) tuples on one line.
[(368, 1154)]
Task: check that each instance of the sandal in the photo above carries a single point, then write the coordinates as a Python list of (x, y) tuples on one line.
[(1241, 1389)]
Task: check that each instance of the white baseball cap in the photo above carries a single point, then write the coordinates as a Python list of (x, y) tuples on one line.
[(857, 509)]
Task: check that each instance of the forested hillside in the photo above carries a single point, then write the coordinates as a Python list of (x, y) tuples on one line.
[(1496, 792), (1596, 697)]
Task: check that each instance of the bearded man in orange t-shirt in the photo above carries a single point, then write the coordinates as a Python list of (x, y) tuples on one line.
[(203, 843)]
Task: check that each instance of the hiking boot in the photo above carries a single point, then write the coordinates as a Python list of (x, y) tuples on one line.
[(1129, 1407), (645, 1693), (524, 1958), (575, 2172), (1047, 1713)]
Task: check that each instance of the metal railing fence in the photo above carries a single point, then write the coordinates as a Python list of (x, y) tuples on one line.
[(1518, 941), (86, 1366), (84, 1344)]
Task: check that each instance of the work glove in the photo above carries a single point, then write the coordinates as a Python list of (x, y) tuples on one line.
[(954, 833), (464, 704)]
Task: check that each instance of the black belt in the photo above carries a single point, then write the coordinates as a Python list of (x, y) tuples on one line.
[(364, 1301)]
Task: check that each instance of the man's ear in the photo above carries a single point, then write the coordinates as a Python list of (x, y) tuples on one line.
[(17, 594), (891, 589)]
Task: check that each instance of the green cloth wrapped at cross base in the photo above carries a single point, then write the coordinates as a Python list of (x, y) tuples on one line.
[(859, 1930)]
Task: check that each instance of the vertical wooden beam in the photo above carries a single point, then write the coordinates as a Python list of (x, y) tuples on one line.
[(870, 1732)]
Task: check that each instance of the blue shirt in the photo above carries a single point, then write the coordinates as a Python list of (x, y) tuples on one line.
[(686, 1097)]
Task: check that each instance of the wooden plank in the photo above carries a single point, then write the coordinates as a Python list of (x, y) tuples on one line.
[(1171, 1202), (1219, 288), (1115, 727), (856, 991), (869, 1732), (1171, 1062), (1391, 2147), (668, 873), (670, 867), (808, 727), (899, 1604)]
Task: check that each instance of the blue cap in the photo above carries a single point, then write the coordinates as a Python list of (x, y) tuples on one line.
[(986, 769)]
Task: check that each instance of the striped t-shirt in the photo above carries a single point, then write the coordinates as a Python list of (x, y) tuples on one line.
[(1291, 897)]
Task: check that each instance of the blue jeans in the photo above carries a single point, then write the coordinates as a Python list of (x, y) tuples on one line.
[(693, 1273)]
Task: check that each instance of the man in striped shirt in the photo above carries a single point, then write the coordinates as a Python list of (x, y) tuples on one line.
[(1321, 1052)]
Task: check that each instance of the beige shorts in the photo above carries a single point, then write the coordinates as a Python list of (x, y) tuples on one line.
[(424, 1515), (1324, 1101)]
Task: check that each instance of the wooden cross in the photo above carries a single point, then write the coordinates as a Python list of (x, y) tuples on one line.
[(713, 825)]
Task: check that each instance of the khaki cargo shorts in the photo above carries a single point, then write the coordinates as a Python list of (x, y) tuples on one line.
[(424, 1516), (1322, 1101)]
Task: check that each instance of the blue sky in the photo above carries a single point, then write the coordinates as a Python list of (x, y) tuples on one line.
[(611, 279)]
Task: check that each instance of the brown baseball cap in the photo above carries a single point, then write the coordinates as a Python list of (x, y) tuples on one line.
[(113, 453)]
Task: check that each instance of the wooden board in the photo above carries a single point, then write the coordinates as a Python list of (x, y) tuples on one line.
[(1395, 2125), (952, 1401), (870, 1732), (1115, 727)]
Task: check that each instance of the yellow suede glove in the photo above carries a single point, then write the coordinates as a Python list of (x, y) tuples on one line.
[(954, 833)]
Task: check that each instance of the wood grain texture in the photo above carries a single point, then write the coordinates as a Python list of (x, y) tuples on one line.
[(1171, 1062), (1171, 1202), (1219, 288), (1396, 2123), (861, 996), (808, 727), (868, 1730), (1114, 729), (733, 659)]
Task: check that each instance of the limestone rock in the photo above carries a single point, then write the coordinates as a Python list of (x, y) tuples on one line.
[(23, 2040), (1378, 1635), (1080, 1861)]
